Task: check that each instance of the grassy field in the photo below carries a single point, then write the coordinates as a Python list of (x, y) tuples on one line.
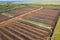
[(9, 6), (54, 3), (45, 5), (4, 7), (57, 32), (56, 35)]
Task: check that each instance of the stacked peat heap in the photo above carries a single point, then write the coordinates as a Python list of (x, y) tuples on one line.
[(36, 25)]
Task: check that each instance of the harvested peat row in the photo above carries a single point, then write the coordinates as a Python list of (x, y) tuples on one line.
[(31, 27), (17, 12), (50, 12), (42, 20), (12, 36), (3, 18), (35, 26), (16, 18), (44, 16), (22, 11), (23, 32)]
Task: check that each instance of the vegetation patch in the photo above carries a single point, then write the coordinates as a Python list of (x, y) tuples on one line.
[(37, 23), (8, 14), (57, 36), (4, 7)]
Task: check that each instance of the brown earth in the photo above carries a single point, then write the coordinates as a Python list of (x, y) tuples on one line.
[(16, 29), (16, 12)]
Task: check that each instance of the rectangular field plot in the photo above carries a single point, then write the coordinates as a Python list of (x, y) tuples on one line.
[(46, 16), (14, 13), (23, 31), (36, 24), (22, 11)]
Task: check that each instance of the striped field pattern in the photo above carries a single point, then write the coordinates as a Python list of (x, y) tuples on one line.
[(28, 30)]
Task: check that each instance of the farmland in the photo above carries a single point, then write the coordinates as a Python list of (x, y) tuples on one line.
[(22, 21), (10, 6)]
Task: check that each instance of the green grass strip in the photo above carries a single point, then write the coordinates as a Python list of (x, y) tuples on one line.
[(56, 35), (8, 14), (37, 23)]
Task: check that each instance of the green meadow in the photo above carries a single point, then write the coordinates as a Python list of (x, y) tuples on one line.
[(58, 30)]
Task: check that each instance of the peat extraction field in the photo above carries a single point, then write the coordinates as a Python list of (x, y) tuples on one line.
[(30, 23)]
